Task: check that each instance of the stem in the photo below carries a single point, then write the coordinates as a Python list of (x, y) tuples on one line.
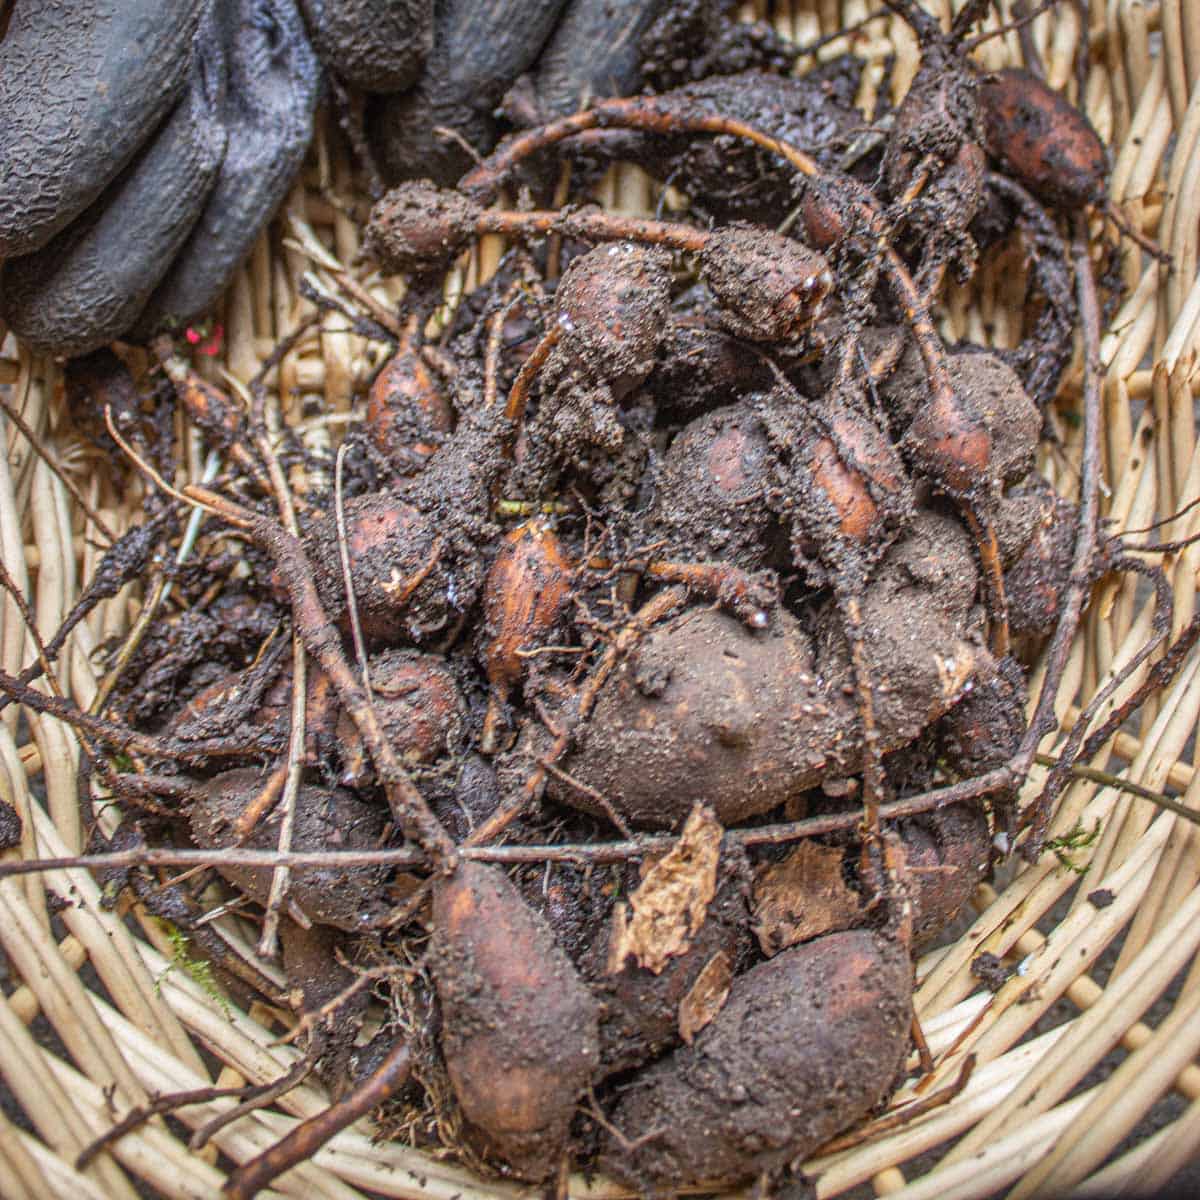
[(514, 410), (1107, 779), (123, 739), (647, 113)]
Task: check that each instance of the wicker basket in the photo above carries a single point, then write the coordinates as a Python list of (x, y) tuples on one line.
[(98, 1018)]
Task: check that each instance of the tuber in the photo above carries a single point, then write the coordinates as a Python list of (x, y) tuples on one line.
[(807, 1044), (346, 898), (752, 719), (518, 1024), (1042, 140)]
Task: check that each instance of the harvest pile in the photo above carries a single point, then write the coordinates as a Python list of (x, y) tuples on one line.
[(656, 683)]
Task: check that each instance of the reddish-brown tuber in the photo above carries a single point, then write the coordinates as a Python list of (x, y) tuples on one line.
[(983, 436), (518, 1024), (1041, 140), (946, 856), (418, 705), (408, 414), (524, 596), (613, 304), (949, 444), (394, 551), (855, 488), (752, 719)]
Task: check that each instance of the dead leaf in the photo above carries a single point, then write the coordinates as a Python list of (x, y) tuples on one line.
[(803, 897), (707, 996), (671, 901)]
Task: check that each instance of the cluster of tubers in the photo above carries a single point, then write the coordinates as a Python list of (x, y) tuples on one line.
[(682, 531)]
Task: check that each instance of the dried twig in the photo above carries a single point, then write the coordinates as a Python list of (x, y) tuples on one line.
[(309, 1136), (1108, 779), (121, 738), (258, 1096), (137, 1117), (998, 780)]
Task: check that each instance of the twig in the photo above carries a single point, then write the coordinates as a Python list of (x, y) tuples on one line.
[(495, 337), (282, 349), (514, 410), (998, 780), (1179, 512), (339, 513), (136, 1117), (309, 1136), (1161, 628), (1094, 775), (146, 469), (253, 1098), (268, 942), (123, 739), (809, 48)]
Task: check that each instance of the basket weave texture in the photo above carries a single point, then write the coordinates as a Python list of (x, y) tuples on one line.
[(1096, 983)]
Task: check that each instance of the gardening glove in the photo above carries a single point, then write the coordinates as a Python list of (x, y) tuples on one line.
[(170, 141)]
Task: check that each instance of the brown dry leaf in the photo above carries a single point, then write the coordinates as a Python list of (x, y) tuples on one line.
[(671, 901), (803, 897), (707, 996)]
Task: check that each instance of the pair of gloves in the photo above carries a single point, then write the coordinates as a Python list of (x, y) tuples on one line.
[(145, 143)]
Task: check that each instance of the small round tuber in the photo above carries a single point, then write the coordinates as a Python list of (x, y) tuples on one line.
[(408, 414), (419, 227), (349, 898), (419, 708)]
